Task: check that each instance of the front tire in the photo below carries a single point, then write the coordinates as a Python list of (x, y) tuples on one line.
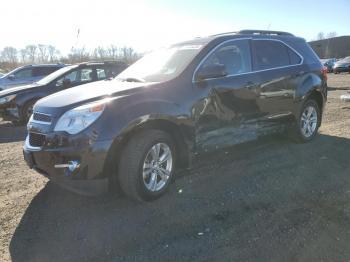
[(147, 165), (308, 122), (25, 112)]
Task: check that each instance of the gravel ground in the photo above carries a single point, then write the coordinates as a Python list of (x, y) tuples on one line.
[(271, 200)]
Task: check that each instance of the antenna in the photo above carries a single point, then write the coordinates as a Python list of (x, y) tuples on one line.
[(77, 39)]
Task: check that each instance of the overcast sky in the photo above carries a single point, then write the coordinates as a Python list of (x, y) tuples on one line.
[(146, 25)]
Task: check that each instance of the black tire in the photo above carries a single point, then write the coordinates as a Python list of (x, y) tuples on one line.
[(296, 133), (130, 168), (25, 112)]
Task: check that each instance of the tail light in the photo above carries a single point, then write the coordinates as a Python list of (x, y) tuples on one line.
[(324, 73)]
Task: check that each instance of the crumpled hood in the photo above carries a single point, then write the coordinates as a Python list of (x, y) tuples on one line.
[(18, 89), (67, 99)]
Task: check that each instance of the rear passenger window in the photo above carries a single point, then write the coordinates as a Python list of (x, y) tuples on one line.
[(235, 56), (293, 57), (270, 54)]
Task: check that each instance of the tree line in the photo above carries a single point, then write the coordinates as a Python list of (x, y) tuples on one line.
[(10, 57), (322, 35)]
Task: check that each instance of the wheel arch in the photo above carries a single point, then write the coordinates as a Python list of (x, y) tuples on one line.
[(183, 147)]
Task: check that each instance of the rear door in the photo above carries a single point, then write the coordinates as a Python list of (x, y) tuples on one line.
[(277, 66)]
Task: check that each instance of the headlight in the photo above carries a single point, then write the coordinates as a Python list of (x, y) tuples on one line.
[(6, 99), (79, 118)]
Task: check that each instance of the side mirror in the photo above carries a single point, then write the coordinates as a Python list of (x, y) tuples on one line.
[(11, 77), (66, 83), (212, 71)]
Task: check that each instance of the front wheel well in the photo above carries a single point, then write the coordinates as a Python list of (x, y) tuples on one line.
[(182, 148)]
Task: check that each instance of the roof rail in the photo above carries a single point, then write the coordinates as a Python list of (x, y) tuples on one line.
[(263, 32), (226, 33)]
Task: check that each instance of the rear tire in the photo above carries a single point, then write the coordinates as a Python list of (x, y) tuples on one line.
[(146, 165), (307, 123)]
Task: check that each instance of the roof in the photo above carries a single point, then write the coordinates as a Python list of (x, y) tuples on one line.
[(239, 34), (47, 65)]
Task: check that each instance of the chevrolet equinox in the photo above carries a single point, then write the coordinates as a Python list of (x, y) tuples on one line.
[(134, 131)]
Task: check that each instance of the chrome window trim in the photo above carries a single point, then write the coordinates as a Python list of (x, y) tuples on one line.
[(253, 71)]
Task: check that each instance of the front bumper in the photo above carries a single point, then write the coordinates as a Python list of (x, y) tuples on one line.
[(87, 179)]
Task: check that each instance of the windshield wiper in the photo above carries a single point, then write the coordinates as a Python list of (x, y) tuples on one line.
[(133, 79)]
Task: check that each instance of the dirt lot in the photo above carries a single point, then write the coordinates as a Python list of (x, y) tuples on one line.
[(267, 201)]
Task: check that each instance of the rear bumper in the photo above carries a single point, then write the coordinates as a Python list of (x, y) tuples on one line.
[(87, 179)]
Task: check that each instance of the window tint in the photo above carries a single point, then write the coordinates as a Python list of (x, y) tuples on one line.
[(270, 54), (293, 57), (43, 71), (24, 73), (307, 52), (235, 56)]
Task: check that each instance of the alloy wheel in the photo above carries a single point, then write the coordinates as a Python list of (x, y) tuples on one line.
[(308, 123), (157, 167)]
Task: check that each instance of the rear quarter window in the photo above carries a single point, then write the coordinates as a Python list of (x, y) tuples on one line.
[(293, 57), (307, 52)]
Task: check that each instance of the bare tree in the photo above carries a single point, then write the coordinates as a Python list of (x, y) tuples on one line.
[(43, 53), (23, 54), (332, 34), (128, 55), (9, 54), (52, 53), (31, 52), (99, 53), (10, 57), (78, 55), (320, 36), (112, 52)]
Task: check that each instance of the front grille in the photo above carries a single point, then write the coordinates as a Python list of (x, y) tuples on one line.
[(36, 140), (41, 117)]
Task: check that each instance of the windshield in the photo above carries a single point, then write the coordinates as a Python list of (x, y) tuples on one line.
[(54, 75), (161, 65), (345, 60)]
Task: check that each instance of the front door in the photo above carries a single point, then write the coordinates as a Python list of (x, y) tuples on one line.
[(228, 113)]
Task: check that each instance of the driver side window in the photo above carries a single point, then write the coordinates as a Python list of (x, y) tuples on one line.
[(235, 56)]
